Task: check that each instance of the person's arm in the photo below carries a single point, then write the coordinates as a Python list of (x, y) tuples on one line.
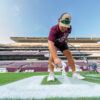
[(52, 49), (53, 52)]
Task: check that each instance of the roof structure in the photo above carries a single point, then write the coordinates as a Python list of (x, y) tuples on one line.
[(44, 40)]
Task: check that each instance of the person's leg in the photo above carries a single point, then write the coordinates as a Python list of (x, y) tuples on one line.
[(50, 65), (51, 76), (71, 62)]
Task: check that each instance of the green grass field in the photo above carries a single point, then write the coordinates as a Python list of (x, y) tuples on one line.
[(81, 98), (91, 76), (6, 78)]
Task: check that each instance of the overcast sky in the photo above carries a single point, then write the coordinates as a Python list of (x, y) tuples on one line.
[(36, 17)]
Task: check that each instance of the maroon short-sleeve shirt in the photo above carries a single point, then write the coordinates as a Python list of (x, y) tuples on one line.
[(57, 36)]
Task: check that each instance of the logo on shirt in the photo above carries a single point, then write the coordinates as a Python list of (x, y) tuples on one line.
[(63, 38)]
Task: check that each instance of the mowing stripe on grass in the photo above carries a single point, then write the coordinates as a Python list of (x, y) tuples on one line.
[(6, 78)]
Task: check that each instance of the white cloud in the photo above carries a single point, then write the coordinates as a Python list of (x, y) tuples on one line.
[(5, 38), (6, 33)]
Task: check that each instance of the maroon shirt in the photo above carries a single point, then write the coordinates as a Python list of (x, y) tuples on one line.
[(57, 36)]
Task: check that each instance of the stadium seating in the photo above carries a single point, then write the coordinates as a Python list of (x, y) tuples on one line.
[(25, 50)]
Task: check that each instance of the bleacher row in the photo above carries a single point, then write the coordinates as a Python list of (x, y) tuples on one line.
[(21, 53), (37, 49), (39, 52), (36, 66)]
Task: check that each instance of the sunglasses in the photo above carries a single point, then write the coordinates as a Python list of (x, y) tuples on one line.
[(66, 21)]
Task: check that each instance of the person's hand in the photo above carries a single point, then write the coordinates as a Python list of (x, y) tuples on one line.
[(57, 61)]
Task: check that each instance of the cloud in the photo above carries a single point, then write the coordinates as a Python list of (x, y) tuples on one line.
[(5, 38), (5, 34)]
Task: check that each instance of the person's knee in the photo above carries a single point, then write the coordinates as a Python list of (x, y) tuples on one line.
[(50, 60), (68, 54), (50, 65)]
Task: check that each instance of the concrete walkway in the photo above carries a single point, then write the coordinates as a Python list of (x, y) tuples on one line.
[(32, 88)]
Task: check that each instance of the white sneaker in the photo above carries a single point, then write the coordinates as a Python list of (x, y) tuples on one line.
[(78, 76), (51, 77)]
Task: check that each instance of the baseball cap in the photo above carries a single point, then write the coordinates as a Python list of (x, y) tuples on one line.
[(65, 20)]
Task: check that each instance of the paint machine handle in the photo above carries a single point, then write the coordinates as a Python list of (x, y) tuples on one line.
[(63, 68)]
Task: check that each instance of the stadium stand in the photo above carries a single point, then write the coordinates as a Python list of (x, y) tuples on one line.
[(31, 53)]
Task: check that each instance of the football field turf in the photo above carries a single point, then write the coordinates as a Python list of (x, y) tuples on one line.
[(6, 78)]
